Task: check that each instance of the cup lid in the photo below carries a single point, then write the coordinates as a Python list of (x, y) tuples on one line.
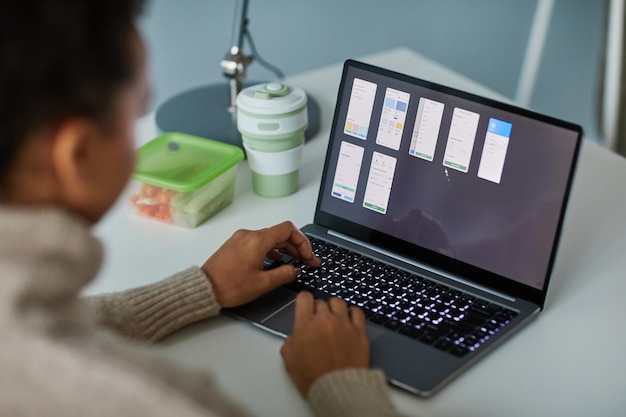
[(271, 98)]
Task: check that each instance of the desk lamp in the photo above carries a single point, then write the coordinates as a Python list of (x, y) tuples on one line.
[(210, 111)]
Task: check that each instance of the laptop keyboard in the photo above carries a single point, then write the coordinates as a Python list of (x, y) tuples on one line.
[(414, 306)]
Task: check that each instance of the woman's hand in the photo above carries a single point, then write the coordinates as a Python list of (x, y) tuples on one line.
[(236, 269), (326, 337)]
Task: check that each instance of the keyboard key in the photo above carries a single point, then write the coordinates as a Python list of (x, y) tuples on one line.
[(405, 306), (352, 259), (438, 331), (441, 289), (372, 304), (342, 252), (455, 294), (390, 270), (377, 295), (362, 290), (393, 324), (357, 276), (403, 275), (459, 351), (480, 334), (466, 298), (416, 279), (480, 313), (427, 284), (398, 292), (333, 289), (444, 344), (297, 286), (378, 318), (491, 326), (316, 244), (402, 316), (481, 303), (335, 278), (344, 294), (429, 339), (359, 299), (494, 307), (370, 280), (474, 318), (411, 332), (386, 310), (343, 270), (319, 283)]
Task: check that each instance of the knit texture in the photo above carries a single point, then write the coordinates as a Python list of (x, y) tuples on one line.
[(151, 313), (66, 356), (352, 392)]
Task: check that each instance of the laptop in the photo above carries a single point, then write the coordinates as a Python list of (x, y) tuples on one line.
[(439, 214)]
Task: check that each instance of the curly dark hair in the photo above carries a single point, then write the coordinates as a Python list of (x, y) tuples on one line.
[(60, 58)]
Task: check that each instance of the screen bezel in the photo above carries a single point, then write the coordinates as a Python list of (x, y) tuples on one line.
[(421, 255)]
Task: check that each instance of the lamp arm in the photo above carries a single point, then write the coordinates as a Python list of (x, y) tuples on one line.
[(234, 63), (240, 25)]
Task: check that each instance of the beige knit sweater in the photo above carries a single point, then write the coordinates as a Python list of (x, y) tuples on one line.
[(61, 355)]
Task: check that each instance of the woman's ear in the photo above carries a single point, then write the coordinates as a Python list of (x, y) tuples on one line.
[(73, 149)]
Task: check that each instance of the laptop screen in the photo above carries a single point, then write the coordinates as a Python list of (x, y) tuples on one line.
[(464, 183)]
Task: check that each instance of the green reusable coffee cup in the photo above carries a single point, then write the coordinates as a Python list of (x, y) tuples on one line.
[(272, 119)]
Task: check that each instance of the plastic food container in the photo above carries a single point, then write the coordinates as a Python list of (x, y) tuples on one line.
[(183, 180)]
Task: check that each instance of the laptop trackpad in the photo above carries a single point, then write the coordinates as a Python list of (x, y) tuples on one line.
[(282, 321), (265, 306)]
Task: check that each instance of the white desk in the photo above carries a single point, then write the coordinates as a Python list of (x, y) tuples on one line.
[(569, 362)]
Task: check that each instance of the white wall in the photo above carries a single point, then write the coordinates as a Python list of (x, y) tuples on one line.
[(483, 39)]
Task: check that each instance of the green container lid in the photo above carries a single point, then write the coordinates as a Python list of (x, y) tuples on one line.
[(182, 162)]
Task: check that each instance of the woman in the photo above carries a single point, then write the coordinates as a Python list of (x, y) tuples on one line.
[(72, 82)]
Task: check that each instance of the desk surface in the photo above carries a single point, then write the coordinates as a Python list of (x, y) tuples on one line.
[(570, 361)]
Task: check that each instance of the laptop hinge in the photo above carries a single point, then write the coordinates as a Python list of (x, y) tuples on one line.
[(421, 265)]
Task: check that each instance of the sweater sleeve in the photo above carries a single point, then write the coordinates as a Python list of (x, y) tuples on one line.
[(352, 393), (153, 311)]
